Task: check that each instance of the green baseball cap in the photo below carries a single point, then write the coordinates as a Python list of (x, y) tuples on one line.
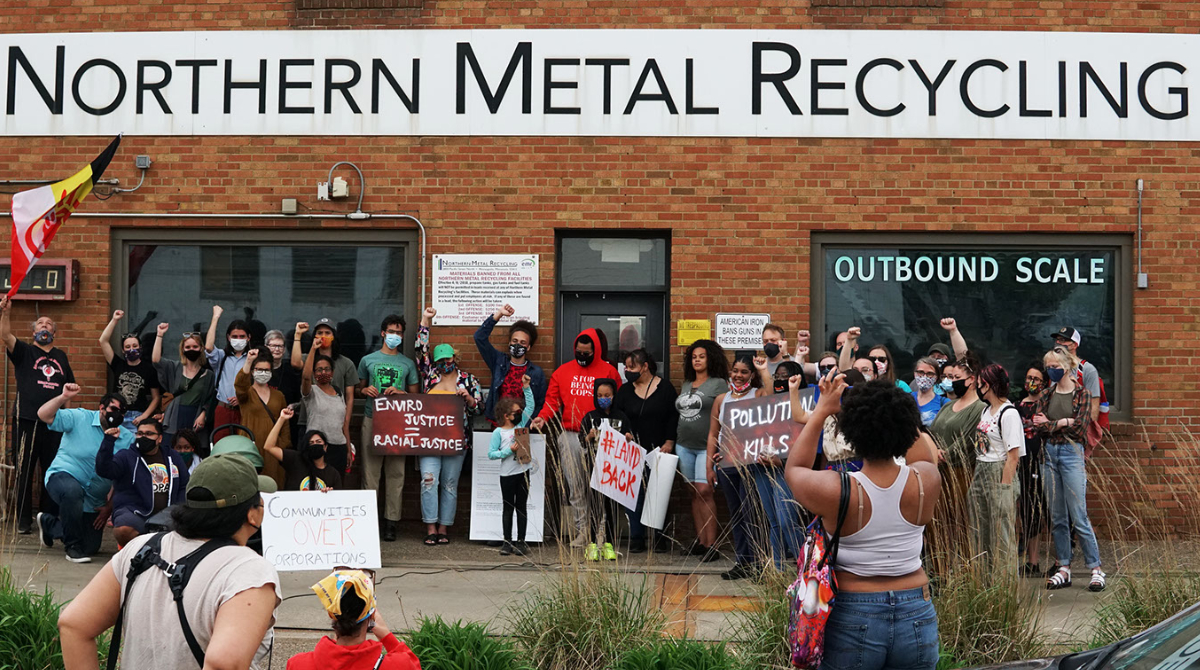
[(236, 443), (231, 480), (443, 351)]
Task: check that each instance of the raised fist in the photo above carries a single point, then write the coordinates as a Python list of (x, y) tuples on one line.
[(853, 333), (118, 315), (162, 329), (949, 324), (301, 327), (70, 390)]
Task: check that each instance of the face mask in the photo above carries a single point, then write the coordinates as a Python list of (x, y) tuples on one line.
[(188, 457), (980, 392), (868, 376), (133, 354), (631, 376), (43, 337), (923, 383), (238, 343), (1055, 374), (445, 367), (146, 445), (604, 403), (517, 350), (323, 377), (584, 359), (771, 349), (781, 386), (114, 418), (262, 376), (191, 354), (393, 341), (825, 370), (1033, 386), (739, 388), (959, 387), (315, 451), (881, 367), (947, 386), (325, 341)]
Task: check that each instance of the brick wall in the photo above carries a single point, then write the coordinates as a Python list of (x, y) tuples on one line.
[(741, 206)]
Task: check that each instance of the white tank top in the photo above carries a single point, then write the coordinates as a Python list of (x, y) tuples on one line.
[(888, 545)]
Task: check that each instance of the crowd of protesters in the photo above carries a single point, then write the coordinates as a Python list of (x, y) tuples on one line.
[(1015, 467)]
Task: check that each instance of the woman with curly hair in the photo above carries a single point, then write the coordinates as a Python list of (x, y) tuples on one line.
[(1062, 417), (884, 616), (705, 376)]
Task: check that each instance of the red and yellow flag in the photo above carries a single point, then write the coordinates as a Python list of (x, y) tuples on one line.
[(38, 213)]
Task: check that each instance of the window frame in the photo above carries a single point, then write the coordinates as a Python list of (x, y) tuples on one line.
[(123, 237), (1119, 389)]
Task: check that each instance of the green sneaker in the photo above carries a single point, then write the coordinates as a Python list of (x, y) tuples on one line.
[(610, 554), (591, 553)]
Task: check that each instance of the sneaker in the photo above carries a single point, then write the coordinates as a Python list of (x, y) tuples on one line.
[(521, 548), (1097, 583), (710, 554), (637, 547), (506, 549), (78, 558), (738, 571), (579, 541), (389, 531), (43, 524), (610, 554), (696, 549), (494, 543), (24, 528), (592, 553)]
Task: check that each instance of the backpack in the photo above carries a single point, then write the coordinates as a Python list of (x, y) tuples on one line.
[(178, 574), (1102, 419)]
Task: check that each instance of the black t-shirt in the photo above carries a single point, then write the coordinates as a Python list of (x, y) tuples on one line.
[(286, 379), (297, 474), (134, 382), (160, 478), (40, 376), (652, 420)]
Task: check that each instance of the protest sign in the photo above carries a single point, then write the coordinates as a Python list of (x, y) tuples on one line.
[(418, 424), (468, 288), (487, 506), (619, 467), (759, 426), (741, 331), (314, 530)]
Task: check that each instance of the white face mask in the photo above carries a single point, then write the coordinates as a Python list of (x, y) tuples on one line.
[(262, 376), (238, 343)]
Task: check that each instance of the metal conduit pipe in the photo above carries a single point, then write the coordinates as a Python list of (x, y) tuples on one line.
[(215, 215)]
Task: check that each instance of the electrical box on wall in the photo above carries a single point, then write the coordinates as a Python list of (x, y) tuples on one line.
[(50, 279)]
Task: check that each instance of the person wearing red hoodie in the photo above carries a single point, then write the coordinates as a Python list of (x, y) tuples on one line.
[(572, 390), (349, 599)]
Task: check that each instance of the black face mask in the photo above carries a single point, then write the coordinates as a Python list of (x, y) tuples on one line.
[(584, 359), (631, 376), (781, 386), (191, 354), (517, 350), (112, 419), (959, 387), (314, 451), (146, 445), (771, 349)]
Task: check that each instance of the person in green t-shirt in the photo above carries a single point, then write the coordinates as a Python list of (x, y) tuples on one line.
[(385, 372)]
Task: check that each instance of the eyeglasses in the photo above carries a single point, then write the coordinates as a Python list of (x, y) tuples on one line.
[(1031, 378), (922, 373), (275, 346), (145, 434)]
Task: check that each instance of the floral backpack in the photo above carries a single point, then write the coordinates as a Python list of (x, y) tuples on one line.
[(813, 593)]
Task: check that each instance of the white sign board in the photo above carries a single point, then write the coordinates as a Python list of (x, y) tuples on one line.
[(741, 331), (467, 288), (487, 505), (312, 530), (1070, 85), (619, 469)]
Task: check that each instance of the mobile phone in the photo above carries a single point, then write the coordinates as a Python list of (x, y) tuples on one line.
[(294, 406)]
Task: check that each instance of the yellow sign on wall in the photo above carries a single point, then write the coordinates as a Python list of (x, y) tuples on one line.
[(691, 330)]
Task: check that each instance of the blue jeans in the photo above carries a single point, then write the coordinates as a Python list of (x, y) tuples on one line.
[(884, 629), (439, 487), (735, 488), (1064, 477), (781, 513), (72, 525)]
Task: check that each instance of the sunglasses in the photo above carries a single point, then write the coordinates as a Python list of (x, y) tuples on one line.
[(191, 334), (877, 359)]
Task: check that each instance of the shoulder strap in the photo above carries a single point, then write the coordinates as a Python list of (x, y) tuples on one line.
[(379, 663), (149, 555), (830, 557), (178, 576)]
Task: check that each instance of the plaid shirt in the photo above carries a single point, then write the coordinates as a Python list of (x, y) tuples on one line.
[(430, 377), (1081, 409)]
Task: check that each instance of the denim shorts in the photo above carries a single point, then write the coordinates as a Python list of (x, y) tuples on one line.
[(692, 463), (884, 629)]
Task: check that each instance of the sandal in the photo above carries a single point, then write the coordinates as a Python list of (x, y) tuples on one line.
[(443, 539), (1097, 583), (431, 540), (1060, 580)]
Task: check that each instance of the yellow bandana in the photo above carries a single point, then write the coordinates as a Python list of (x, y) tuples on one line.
[(330, 590)]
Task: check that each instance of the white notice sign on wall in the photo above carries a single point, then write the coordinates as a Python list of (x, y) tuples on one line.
[(741, 331), (469, 287)]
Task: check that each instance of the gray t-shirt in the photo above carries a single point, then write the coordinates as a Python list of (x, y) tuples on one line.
[(695, 411), (1091, 379), (326, 413), (153, 637)]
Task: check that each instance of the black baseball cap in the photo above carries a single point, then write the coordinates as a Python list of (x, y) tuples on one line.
[(1066, 333), (941, 348)]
